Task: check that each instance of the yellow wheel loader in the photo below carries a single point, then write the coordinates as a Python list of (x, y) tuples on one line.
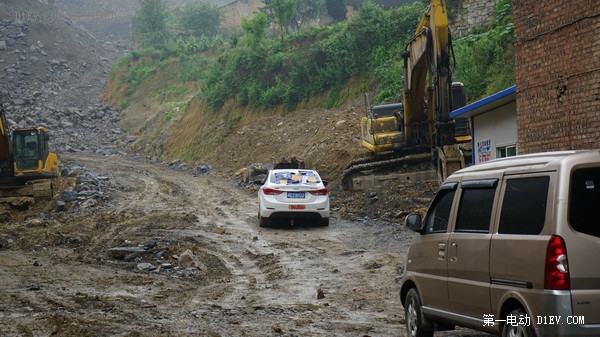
[(25, 162)]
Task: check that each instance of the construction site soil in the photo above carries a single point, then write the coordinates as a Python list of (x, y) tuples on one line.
[(132, 246)]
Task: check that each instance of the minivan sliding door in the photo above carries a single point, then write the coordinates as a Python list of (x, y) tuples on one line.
[(469, 249)]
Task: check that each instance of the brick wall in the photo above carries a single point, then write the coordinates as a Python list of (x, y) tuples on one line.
[(557, 61)]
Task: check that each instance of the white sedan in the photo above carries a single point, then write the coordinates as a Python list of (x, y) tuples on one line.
[(293, 193)]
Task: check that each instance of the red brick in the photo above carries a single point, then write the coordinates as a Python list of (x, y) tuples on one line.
[(557, 72)]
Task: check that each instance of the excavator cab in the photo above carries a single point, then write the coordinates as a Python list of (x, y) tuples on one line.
[(381, 127), (31, 155), (462, 127)]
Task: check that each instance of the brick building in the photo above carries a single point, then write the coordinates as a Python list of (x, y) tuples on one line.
[(557, 61)]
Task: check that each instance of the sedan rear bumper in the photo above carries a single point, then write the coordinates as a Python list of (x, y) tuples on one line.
[(314, 210), (305, 215)]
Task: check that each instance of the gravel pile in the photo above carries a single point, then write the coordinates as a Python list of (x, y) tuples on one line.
[(59, 91)]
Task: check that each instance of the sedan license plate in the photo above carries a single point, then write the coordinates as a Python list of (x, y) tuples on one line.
[(297, 206), (295, 195)]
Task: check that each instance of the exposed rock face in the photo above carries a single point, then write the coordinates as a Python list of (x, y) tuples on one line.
[(58, 87), (473, 13)]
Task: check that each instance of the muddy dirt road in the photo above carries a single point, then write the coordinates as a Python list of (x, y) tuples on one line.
[(65, 274)]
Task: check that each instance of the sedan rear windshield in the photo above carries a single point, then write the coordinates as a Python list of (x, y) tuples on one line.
[(584, 201), (292, 177)]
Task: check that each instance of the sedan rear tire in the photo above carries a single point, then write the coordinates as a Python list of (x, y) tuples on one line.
[(263, 222)]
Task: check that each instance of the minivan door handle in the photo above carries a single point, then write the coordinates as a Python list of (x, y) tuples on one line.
[(454, 251), (441, 251)]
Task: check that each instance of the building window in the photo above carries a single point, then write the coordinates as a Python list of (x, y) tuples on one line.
[(506, 151)]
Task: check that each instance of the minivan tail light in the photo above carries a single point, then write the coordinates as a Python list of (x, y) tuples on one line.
[(556, 274), (322, 191), (271, 191)]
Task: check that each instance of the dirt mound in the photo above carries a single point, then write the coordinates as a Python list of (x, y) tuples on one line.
[(326, 140)]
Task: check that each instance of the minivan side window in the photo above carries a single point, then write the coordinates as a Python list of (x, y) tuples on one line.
[(439, 212), (475, 210), (524, 206), (584, 201)]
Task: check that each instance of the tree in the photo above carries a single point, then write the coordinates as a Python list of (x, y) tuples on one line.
[(202, 19), (336, 9), (283, 11), (255, 28), (149, 22), (307, 10)]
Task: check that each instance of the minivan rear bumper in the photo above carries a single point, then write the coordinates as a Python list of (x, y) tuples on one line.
[(557, 318)]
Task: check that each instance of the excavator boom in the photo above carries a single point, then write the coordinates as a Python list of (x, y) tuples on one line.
[(423, 130)]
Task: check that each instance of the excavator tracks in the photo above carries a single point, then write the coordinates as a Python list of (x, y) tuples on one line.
[(375, 171)]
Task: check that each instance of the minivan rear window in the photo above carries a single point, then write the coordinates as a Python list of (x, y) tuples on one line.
[(524, 206), (584, 201)]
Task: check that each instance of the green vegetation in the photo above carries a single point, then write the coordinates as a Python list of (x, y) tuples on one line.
[(485, 59), (177, 109), (139, 72), (282, 12), (255, 29), (261, 71), (311, 61), (150, 23), (157, 27), (201, 19)]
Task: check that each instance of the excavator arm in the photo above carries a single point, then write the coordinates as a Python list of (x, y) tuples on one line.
[(428, 90), (427, 80), (407, 141), (6, 149)]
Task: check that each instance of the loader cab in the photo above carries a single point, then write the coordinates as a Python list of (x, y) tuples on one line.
[(31, 151), (381, 128)]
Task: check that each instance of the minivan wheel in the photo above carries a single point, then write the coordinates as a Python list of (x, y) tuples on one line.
[(519, 330), (415, 326)]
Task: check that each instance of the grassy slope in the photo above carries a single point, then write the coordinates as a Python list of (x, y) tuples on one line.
[(236, 137)]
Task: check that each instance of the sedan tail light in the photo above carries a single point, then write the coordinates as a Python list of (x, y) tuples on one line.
[(556, 274), (270, 191), (322, 191)]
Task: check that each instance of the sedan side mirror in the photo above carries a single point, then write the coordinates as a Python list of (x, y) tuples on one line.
[(414, 222)]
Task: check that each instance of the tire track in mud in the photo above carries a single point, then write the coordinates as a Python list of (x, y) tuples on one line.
[(339, 280), (273, 271)]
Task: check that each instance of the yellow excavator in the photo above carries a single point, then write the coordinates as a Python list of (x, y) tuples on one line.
[(416, 139), (25, 162)]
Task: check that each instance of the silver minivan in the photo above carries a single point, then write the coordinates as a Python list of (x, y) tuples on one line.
[(510, 247)]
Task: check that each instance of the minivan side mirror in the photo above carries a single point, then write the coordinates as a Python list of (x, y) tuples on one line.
[(414, 222)]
